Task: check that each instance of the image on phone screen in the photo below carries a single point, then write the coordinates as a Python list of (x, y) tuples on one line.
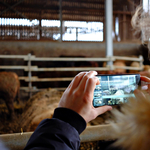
[(115, 89)]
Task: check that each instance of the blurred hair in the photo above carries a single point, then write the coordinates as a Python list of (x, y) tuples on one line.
[(141, 24), (135, 21), (133, 125)]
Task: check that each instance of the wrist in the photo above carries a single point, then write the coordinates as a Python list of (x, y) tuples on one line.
[(71, 117)]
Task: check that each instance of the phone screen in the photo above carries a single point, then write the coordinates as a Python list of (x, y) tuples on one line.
[(115, 89)]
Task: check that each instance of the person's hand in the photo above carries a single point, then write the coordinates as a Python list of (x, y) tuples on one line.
[(79, 96), (140, 94), (147, 82), (145, 73)]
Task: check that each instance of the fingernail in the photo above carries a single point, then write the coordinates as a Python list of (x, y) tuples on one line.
[(110, 108), (136, 91), (145, 87)]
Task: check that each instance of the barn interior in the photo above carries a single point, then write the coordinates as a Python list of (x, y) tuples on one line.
[(46, 43)]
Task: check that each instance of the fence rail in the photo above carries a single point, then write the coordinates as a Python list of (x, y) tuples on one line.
[(17, 141), (32, 68)]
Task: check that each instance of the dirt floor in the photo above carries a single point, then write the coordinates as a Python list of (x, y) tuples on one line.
[(6, 124)]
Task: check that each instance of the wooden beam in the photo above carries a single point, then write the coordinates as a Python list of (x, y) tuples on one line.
[(11, 7), (124, 27)]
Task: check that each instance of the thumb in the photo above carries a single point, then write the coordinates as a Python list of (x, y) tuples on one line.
[(103, 109)]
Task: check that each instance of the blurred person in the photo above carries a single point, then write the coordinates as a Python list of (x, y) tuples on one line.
[(133, 125)]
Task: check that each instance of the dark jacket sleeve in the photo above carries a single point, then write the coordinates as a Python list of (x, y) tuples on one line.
[(59, 133)]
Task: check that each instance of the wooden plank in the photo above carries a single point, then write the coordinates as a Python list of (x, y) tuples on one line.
[(124, 27), (34, 89), (24, 78), (33, 58), (49, 79), (14, 56), (25, 57), (127, 58), (69, 69), (19, 67), (36, 79), (13, 67), (68, 59), (129, 68)]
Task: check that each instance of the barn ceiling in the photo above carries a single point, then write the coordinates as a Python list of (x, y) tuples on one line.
[(77, 10)]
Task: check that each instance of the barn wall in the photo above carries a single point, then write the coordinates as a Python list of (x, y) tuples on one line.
[(56, 49)]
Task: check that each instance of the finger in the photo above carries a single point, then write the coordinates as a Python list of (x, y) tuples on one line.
[(98, 82), (145, 73), (139, 94), (147, 80), (144, 78), (75, 82), (90, 85), (85, 78), (144, 87), (103, 109)]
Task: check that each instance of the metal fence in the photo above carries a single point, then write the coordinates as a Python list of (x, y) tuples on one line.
[(94, 133), (29, 68)]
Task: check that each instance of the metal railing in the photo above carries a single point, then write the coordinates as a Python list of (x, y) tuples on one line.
[(31, 68)]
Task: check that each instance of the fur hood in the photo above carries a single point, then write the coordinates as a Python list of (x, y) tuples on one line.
[(133, 124)]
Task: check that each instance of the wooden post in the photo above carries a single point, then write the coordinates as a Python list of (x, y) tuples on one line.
[(76, 33), (120, 27), (40, 29), (61, 22), (29, 75), (124, 27), (114, 27), (104, 29), (141, 62)]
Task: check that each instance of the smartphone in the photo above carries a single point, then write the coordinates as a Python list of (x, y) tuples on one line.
[(115, 89)]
